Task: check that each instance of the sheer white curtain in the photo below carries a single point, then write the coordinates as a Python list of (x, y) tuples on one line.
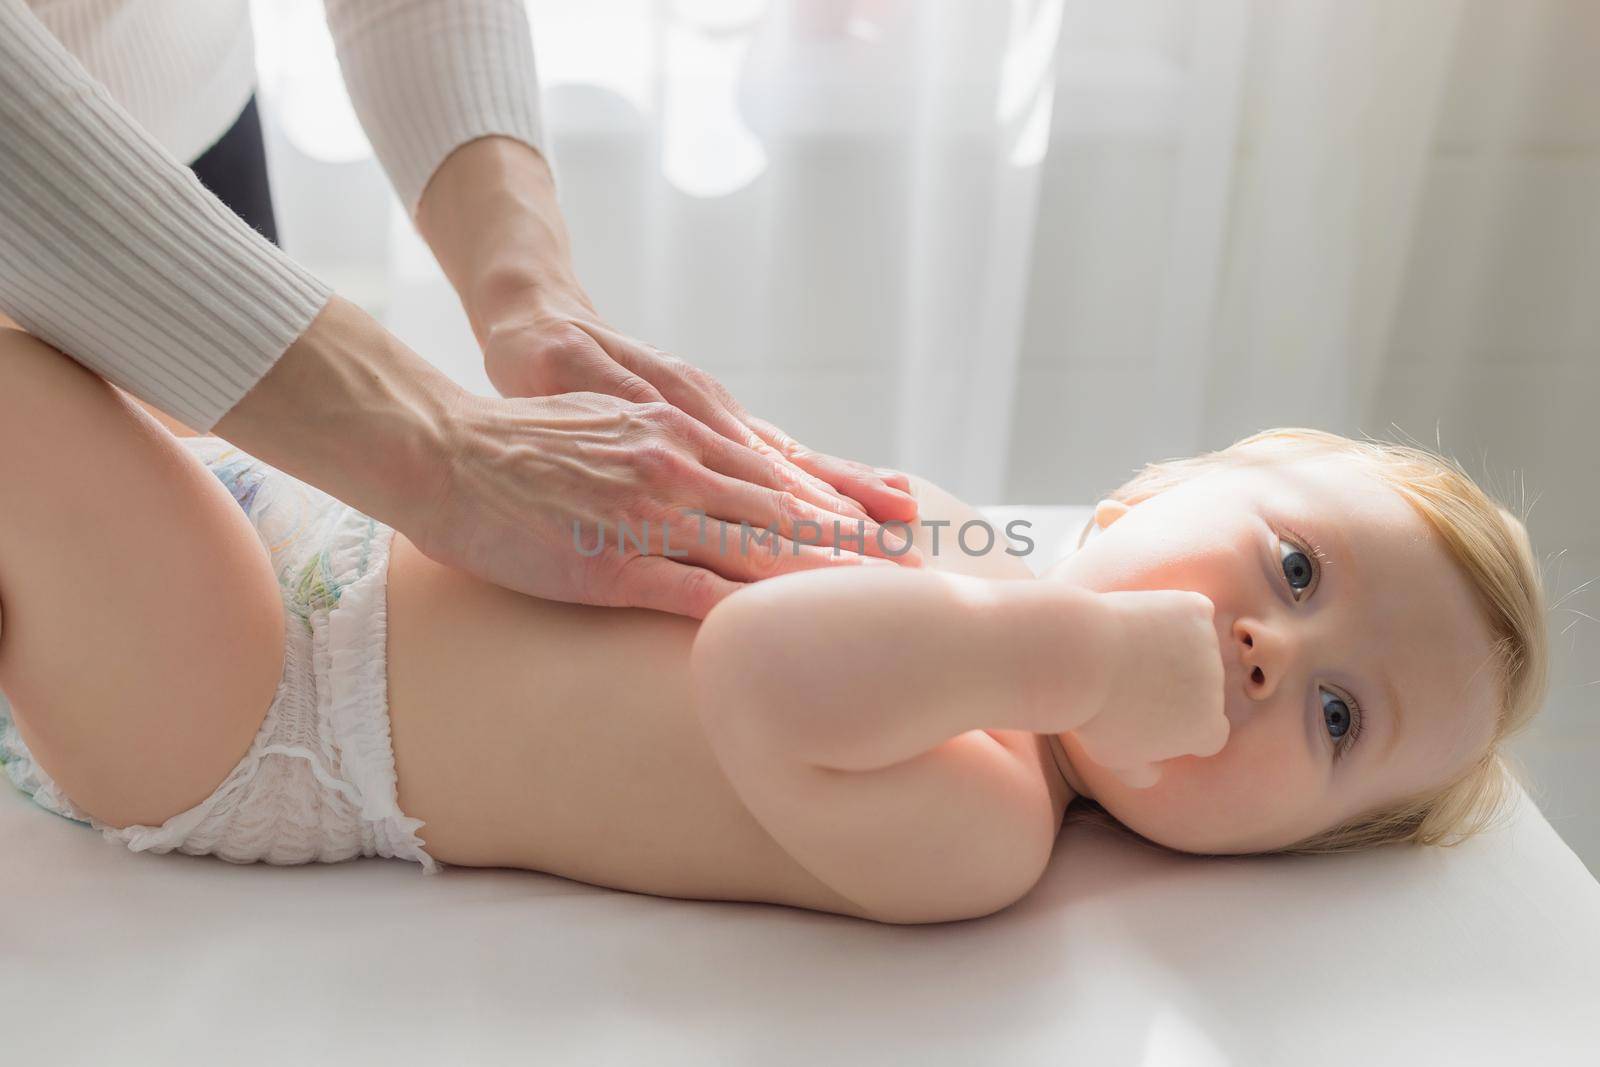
[(829, 205), (1022, 247), (984, 241), (1230, 203)]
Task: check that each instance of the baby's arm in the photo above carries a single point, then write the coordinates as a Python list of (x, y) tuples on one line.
[(852, 712)]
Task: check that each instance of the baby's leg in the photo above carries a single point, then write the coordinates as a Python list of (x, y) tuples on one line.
[(141, 626), (174, 427)]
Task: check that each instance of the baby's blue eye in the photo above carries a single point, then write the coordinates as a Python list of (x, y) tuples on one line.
[(1335, 714), (1297, 568)]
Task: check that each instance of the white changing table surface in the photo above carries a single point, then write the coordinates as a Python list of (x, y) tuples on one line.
[(1125, 954)]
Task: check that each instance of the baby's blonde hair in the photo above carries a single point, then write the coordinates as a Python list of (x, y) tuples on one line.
[(1492, 548)]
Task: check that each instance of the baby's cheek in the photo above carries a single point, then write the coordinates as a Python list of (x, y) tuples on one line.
[(1246, 796)]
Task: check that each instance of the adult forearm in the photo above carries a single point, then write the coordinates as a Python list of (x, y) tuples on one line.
[(864, 670), (112, 252), (349, 408), (491, 217)]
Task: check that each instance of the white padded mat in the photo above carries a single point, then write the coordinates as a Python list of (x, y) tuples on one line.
[(1124, 955)]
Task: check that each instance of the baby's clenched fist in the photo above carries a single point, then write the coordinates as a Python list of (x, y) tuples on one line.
[(1163, 687)]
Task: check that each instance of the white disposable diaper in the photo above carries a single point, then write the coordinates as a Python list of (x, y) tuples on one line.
[(318, 783)]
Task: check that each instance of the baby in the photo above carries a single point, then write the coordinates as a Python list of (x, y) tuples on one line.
[(1299, 642)]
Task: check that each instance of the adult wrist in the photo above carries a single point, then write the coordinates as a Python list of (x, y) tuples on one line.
[(491, 216), (514, 296), (353, 411)]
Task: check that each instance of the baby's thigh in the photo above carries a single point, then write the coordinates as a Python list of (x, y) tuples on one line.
[(141, 626)]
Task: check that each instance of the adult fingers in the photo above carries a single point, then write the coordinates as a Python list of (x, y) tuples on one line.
[(662, 584), (775, 470), (614, 379), (727, 496), (702, 397), (757, 472), (867, 485), (894, 479), (745, 553), (733, 502)]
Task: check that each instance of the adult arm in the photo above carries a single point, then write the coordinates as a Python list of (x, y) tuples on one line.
[(497, 486), (490, 214), (112, 251), (448, 94)]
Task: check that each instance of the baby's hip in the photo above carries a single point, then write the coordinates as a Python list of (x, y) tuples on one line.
[(317, 781)]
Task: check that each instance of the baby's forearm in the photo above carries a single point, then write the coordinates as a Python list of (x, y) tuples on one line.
[(857, 671)]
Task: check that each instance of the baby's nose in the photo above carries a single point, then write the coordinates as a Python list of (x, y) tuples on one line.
[(1261, 654)]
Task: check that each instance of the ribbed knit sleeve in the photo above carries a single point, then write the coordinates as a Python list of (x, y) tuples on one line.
[(427, 76), (113, 252)]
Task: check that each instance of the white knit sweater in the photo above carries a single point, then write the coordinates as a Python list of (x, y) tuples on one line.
[(112, 251)]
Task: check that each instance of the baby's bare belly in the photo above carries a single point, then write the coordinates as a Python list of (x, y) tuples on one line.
[(563, 738)]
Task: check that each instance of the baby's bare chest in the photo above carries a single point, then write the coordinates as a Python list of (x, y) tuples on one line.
[(565, 739)]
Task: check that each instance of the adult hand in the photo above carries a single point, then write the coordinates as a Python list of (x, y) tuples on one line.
[(613, 412), (532, 486), (559, 345)]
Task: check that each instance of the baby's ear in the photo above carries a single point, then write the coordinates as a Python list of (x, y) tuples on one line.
[(1109, 511)]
